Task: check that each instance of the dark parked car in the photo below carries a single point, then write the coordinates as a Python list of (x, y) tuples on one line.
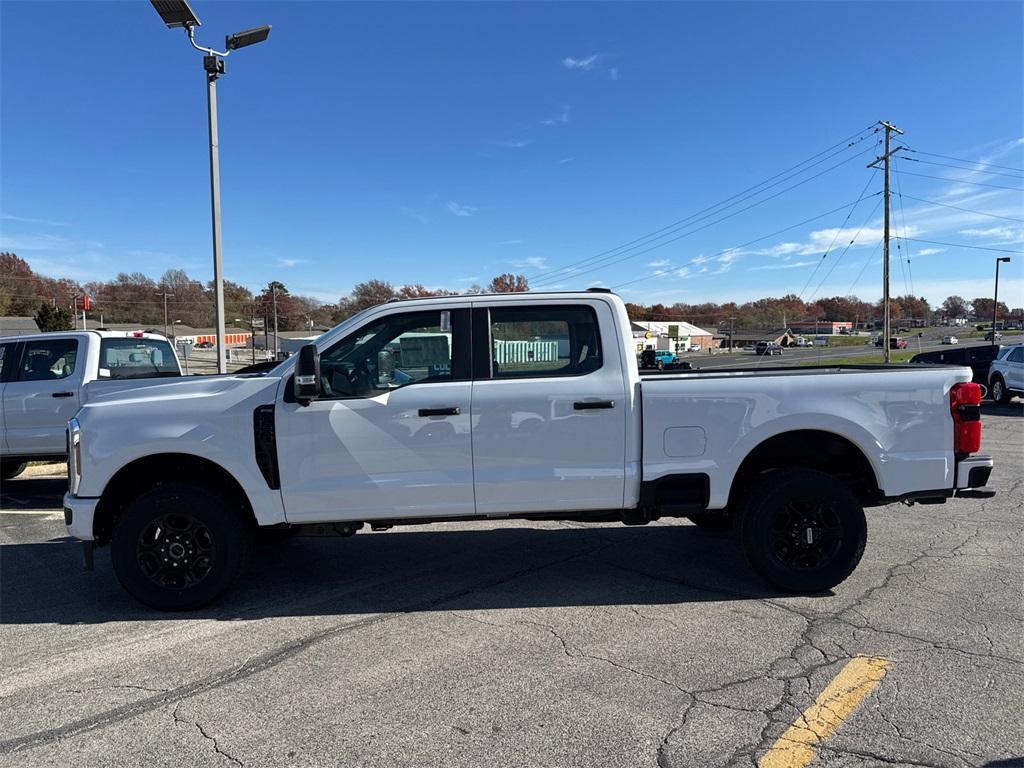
[(768, 348), (988, 336), (204, 345), (978, 358)]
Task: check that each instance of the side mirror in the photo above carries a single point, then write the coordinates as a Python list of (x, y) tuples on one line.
[(307, 375)]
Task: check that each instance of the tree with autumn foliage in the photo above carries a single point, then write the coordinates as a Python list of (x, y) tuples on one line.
[(508, 283)]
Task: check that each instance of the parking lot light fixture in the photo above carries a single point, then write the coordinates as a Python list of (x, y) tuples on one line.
[(177, 14), (995, 297)]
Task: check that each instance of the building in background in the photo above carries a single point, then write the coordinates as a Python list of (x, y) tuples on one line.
[(18, 326), (822, 327), (677, 337)]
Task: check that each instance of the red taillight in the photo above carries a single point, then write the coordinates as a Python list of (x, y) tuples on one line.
[(137, 334), (965, 405)]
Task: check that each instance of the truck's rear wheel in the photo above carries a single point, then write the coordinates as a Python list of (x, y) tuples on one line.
[(11, 468), (179, 547), (802, 530)]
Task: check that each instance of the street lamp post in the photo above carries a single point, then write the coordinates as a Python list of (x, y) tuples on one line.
[(995, 298), (178, 14)]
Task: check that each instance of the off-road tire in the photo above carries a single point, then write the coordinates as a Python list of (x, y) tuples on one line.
[(179, 546), (802, 530)]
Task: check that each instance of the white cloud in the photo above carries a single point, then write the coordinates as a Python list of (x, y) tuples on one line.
[(613, 73), (585, 64), (1005, 234), (514, 143), (33, 242), (413, 214), (474, 279), (510, 242), (682, 272), (929, 251), (461, 210), (560, 119), (659, 263), (291, 262), (785, 265), (26, 220), (565, 160), (534, 262)]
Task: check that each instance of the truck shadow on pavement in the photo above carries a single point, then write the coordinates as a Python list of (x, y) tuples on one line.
[(410, 569)]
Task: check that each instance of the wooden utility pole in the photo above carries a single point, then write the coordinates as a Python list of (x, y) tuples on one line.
[(889, 129), (166, 296)]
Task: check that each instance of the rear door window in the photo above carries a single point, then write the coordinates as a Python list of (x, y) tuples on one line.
[(49, 359), (134, 358), (544, 341)]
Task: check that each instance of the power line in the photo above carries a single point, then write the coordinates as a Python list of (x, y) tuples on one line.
[(838, 231), (617, 259), (963, 181), (903, 218), (965, 210), (867, 263), (701, 259), (962, 160), (847, 248), (963, 245), (961, 168), (726, 203)]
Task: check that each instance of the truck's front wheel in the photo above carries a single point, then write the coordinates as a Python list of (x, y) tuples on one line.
[(802, 530), (178, 547)]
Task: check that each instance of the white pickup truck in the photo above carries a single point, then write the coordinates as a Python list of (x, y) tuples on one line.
[(46, 378), (509, 406)]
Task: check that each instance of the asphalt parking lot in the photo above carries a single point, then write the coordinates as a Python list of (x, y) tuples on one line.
[(508, 644)]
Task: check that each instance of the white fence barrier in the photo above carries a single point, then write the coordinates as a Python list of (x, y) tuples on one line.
[(525, 351)]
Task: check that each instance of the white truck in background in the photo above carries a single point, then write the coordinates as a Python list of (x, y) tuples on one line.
[(370, 424), (45, 378)]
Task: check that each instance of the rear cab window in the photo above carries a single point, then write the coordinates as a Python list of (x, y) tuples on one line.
[(136, 358), (48, 359)]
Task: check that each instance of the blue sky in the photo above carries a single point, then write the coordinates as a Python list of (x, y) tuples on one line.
[(446, 143)]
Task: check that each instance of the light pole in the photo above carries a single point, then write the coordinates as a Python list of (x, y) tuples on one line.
[(175, 14), (995, 298)]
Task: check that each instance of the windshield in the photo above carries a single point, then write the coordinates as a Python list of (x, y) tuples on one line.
[(133, 358)]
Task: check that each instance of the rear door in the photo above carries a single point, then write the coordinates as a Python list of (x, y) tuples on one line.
[(42, 395), (549, 417)]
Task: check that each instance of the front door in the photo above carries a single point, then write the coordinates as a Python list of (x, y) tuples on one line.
[(549, 412), (390, 435), (41, 396)]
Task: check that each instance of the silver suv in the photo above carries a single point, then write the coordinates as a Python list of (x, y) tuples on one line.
[(1006, 375)]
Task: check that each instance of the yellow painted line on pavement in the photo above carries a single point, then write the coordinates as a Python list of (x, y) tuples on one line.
[(795, 748)]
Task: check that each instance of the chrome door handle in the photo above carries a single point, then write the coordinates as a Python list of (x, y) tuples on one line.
[(439, 411)]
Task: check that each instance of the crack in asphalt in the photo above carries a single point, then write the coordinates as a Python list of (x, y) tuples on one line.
[(205, 735), (257, 664), (785, 710)]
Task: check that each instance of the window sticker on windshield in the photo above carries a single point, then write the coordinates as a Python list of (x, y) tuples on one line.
[(105, 372), (446, 322)]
